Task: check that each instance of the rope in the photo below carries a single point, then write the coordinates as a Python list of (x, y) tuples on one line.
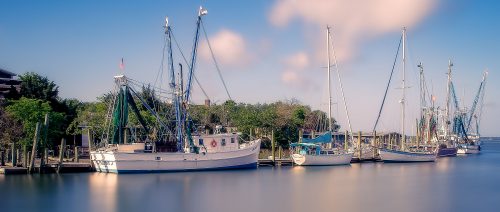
[(341, 87), (215, 61), (387, 88)]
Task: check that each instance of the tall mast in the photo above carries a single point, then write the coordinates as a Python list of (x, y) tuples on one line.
[(329, 84), (403, 97), (447, 109)]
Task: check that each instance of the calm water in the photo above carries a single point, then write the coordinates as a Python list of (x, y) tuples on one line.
[(464, 183)]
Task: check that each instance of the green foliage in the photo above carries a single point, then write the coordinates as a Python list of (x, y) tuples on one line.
[(11, 129), (34, 86), (31, 111)]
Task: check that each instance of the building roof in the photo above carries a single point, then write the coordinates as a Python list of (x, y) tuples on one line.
[(3, 71)]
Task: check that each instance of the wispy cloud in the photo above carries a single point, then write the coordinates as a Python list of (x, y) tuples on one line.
[(294, 65), (353, 21), (230, 48)]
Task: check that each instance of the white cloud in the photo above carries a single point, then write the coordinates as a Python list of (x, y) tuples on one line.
[(229, 48), (290, 77), (292, 73), (297, 61), (353, 21)]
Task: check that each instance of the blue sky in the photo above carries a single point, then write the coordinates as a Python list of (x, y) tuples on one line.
[(276, 51)]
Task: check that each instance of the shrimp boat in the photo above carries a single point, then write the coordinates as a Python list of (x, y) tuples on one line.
[(317, 151), (193, 151), (447, 146), (470, 143), (404, 154)]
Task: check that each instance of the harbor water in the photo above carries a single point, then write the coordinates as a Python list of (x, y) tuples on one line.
[(462, 183)]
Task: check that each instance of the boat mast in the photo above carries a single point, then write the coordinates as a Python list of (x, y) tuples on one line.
[(403, 97), (329, 83), (175, 94), (447, 111)]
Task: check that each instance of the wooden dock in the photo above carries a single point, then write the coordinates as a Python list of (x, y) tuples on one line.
[(8, 170), (276, 162)]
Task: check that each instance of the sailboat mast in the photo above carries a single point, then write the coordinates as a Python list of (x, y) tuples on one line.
[(404, 94), (329, 83), (447, 111)]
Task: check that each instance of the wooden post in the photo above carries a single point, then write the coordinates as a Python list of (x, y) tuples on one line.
[(44, 141), (14, 156), (280, 149), (345, 140), (25, 157), (2, 158), (76, 155), (61, 153), (375, 144), (33, 150), (46, 155), (359, 145), (301, 134), (273, 145), (18, 157)]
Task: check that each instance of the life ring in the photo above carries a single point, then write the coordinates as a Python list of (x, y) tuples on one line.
[(213, 143)]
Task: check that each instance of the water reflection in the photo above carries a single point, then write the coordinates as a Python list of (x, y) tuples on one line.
[(450, 184)]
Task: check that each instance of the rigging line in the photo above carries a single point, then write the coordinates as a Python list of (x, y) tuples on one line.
[(160, 70), (388, 84), (215, 61), (341, 86), (187, 64)]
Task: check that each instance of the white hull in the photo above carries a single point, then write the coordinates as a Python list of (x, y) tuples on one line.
[(322, 160), (468, 149), (401, 156), (127, 162)]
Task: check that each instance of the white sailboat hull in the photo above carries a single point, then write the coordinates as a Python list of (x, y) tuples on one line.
[(322, 160), (402, 157), (142, 162)]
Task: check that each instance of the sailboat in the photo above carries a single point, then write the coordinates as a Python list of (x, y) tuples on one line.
[(317, 151), (404, 154), (194, 151)]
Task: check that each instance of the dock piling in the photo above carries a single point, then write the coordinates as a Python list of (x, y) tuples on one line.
[(33, 150)]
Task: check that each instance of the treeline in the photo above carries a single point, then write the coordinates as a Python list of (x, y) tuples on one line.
[(38, 96)]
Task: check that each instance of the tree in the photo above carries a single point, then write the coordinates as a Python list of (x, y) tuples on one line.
[(34, 86), (11, 129), (31, 111)]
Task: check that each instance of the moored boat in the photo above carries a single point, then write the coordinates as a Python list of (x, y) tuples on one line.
[(397, 156)]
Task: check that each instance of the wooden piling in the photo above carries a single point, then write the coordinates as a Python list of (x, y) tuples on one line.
[(14, 156), (359, 145), (273, 146), (33, 150), (43, 143), (2, 158), (61, 154), (76, 155), (375, 144), (25, 157)]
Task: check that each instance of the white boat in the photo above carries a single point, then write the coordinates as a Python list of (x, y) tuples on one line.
[(397, 156), (322, 160), (193, 151), (223, 152), (468, 149), (312, 152), (405, 154)]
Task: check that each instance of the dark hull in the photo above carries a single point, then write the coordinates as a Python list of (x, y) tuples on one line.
[(447, 152)]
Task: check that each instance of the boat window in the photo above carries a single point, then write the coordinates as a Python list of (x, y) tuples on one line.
[(223, 143), (200, 141), (232, 140)]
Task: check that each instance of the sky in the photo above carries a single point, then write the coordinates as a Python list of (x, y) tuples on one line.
[(267, 50)]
